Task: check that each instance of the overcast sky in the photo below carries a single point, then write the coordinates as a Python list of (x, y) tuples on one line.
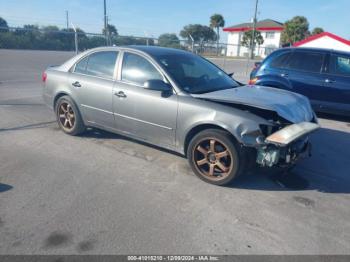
[(153, 17)]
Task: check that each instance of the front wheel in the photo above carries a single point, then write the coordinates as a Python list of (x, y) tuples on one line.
[(214, 157)]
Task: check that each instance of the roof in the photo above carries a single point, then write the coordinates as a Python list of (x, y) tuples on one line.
[(150, 50), (311, 49), (263, 25), (155, 50), (324, 34)]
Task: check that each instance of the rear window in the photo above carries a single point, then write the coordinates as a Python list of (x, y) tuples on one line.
[(340, 65), (305, 61), (99, 64), (102, 64)]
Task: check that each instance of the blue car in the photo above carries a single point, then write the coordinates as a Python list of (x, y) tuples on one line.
[(321, 75)]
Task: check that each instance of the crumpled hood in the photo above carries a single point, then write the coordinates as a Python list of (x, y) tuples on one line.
[(288, 105)]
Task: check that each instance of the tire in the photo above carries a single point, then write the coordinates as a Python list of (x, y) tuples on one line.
[(220, 167), (68, 116)]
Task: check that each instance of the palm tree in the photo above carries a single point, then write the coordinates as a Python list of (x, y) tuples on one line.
[(217, 21)]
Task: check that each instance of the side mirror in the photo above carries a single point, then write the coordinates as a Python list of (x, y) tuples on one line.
[(231, 74), (157, 85)]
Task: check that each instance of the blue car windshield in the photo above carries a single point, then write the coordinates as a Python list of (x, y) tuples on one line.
[(195, 74)]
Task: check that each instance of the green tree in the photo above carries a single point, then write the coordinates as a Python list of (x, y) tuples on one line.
[(169, 40), (111, 30), (3, 25), (217, 21), (317, 30), (95, 41), (132, 40), (199, 33), (112, 33), (295, 30), (248, 36)]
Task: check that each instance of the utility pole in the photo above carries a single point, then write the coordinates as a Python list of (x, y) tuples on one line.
[(252, 45), (67, 18), (75, 39), (105, 20), (146, 35), (192, 42), (108, 33)]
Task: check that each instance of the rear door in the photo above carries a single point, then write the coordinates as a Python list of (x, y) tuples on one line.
[(305, 75), (338, 82), (92, 82)]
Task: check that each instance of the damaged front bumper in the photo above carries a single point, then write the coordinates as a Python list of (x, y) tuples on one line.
[(284, 147)]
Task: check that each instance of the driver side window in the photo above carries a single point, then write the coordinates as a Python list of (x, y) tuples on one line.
[(138, 70)]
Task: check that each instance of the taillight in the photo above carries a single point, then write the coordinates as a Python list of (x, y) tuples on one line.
[(253, 81), (44, 77)]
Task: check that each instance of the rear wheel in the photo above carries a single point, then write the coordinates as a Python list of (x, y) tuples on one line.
[(214, 157), (68, 116)]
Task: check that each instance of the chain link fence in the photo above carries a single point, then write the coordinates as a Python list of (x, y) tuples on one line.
[(52, 38)]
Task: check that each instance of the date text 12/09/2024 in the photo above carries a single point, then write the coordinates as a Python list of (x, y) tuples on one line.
[(173, 258)]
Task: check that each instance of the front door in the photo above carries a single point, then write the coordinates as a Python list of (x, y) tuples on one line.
[(147, 114)]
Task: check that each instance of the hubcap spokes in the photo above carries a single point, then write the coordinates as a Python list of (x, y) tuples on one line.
[(66, 116), (212, 158)]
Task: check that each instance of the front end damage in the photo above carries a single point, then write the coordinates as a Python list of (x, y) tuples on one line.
[(278, 141), (279, 134), (284, 147)]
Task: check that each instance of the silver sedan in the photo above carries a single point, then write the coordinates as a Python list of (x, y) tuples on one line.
[(180, 101)]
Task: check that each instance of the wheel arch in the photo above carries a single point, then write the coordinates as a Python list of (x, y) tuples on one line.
[(61, 94), (199, 128), (58, 96)]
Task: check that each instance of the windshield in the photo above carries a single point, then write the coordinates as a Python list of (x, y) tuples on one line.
[(194, 74)]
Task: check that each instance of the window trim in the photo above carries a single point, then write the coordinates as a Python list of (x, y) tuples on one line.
[(120, 68), (72, 70)]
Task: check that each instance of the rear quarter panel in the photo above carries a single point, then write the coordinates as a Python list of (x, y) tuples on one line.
[(56, 83)]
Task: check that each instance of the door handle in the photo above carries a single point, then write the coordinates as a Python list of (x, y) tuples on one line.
[(120, 94), (329, 81), (284, 75), (76, 84)]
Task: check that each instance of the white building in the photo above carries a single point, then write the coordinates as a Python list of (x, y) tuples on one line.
[(270, 30), (325, 40)]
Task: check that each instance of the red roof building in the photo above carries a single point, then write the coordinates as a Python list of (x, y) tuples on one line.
[(270, 30), (325, 40)]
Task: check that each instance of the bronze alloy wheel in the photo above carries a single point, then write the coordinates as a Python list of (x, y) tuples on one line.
[(66, 116), (212, 158)]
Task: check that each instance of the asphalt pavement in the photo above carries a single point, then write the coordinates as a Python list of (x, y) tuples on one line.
[(101, 193)]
